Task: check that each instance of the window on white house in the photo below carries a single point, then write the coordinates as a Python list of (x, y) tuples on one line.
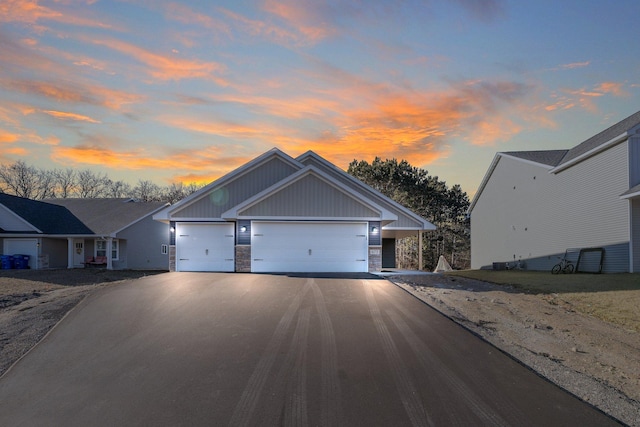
[(101, 248), (164, 249)]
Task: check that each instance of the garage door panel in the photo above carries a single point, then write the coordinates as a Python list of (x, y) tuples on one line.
[(205, 247), (309, 247)]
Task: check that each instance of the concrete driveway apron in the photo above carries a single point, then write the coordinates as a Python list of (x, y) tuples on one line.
[(191, 349)]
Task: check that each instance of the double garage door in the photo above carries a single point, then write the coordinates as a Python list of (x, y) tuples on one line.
[(275, 247)]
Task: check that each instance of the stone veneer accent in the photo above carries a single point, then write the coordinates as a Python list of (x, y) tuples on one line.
[(243, 259), (172, 257), (375, 258)]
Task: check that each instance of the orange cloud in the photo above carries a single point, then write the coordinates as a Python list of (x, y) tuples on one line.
[(184, 14), (612, 88), (168, 67), (74, 93), (70, 116), (264, 29), (30, 12), (303, 18), (201, 165), (8, 137)]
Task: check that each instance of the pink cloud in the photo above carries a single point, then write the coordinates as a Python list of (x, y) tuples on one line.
[(166, 67)]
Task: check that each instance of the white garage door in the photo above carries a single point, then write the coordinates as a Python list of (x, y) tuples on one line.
[(309, 247), (22, 247), (204, 247)]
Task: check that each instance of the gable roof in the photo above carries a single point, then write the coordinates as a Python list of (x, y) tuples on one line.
[(336, 201), (543, 157), (258, 185), (108, 216), (600, 142), (45, 218), (199, 206), (559, 160), (619, 129), (311, 158)]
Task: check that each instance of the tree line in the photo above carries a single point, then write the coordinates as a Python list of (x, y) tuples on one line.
[(445, 207), (23, 180)]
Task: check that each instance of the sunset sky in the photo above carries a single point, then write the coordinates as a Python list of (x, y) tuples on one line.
[(187, 91)]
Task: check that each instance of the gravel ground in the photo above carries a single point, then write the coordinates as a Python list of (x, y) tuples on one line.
[(594, 360)]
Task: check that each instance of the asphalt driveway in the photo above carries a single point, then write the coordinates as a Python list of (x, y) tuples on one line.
[(210, 349)]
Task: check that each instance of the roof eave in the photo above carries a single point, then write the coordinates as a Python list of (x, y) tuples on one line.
[(613, 141)]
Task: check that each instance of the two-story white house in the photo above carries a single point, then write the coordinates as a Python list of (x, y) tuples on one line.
[(534, 205)]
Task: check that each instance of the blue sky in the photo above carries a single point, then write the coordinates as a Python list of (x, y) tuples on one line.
[(187, 91)]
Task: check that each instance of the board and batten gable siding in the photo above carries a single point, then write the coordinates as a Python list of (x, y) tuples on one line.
[(526, 217), (403, 221), (309, 196), (220, 199)]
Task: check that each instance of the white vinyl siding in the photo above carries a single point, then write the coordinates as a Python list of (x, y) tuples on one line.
[(576, 208)]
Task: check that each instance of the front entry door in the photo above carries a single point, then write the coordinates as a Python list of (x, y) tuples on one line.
[(78, 252)]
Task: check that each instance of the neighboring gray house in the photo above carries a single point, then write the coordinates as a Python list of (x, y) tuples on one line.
[(534, 205), (123, 228), (39, 230), (280, 214)]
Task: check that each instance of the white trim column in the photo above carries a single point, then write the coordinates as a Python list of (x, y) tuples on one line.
[(70, 249), (420, 261), (109, 250)]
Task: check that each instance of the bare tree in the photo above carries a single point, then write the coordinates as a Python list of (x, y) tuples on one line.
[(147, 191), (91, 185), (118, 189), (177, 191), (22, 180), (66, 182)]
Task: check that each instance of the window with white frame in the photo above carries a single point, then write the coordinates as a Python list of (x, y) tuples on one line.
[(101, 248), (164, 249)]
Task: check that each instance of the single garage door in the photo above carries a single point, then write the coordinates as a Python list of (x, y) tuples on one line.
[(205, 247), (309, 247), (22, 247)]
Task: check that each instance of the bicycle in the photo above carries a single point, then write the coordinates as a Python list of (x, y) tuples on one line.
[(565, 265)]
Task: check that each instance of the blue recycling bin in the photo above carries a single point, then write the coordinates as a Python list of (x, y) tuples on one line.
[(20, 262), (6, 261)]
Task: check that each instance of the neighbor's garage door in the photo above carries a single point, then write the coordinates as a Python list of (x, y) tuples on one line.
[(309, 247), (22, 247), (204, 247)]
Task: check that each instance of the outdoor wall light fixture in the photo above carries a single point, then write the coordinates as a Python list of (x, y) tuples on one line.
[(374, 230), (243, 229), (172, 229)]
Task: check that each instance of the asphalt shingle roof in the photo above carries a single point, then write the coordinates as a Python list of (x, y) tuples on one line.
[(106, 216), (545, 157), (46, 217), (604, 136)]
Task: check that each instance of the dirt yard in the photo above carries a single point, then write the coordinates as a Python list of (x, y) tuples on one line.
[(593, 359)]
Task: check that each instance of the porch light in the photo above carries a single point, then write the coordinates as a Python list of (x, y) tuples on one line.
[(243, 229), (172, 229), (374, 230)]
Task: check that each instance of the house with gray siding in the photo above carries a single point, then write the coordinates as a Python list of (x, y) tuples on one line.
[(534, 205), (121, 229), (280, 214)]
